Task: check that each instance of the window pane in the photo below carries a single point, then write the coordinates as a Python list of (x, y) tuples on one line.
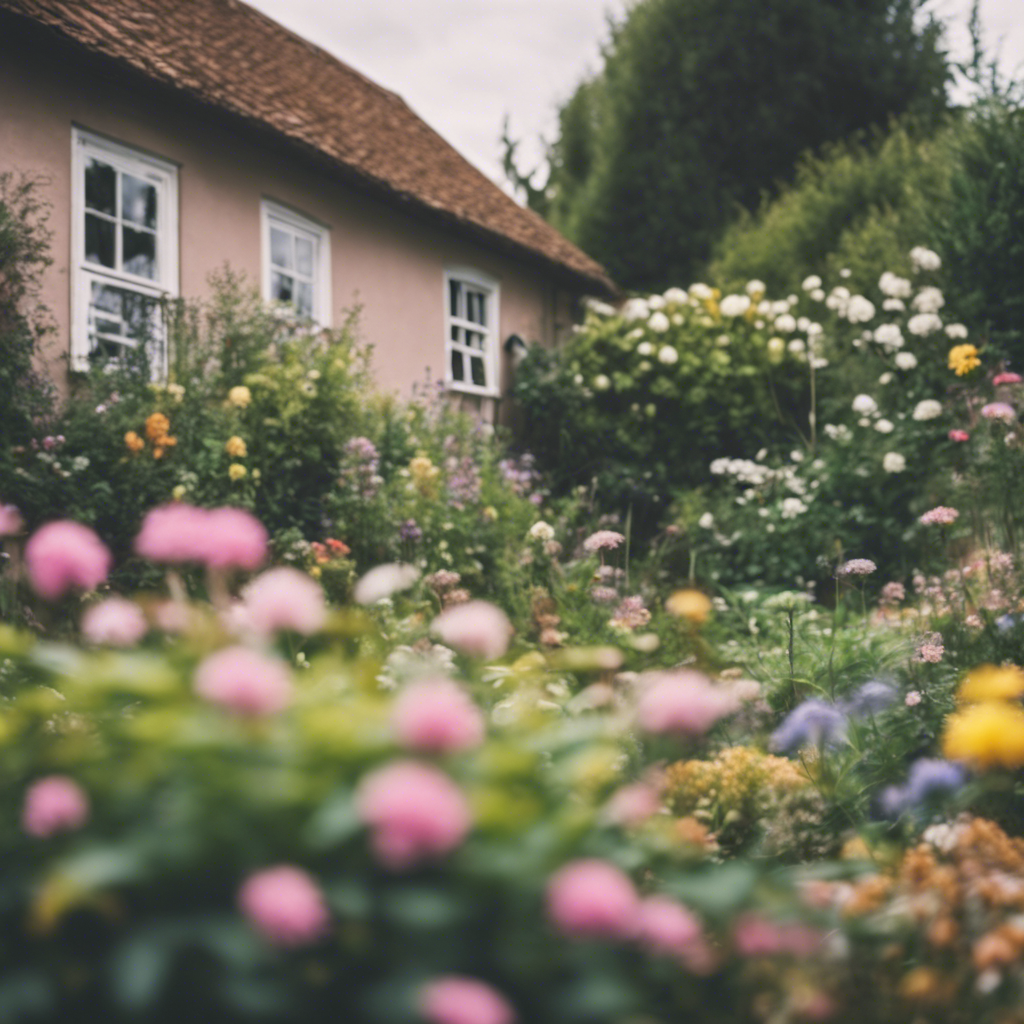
[(304, 256), (282, 287), (120, 313), (138, 201), (304, 298), (476, 307), (477, 366), (101, 187), (458, 370), (475, 340), (99, 240), (455, 333), (454, 294), (138, 253), (281, 249)]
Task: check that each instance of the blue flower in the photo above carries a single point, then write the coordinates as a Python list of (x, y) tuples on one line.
[(813, 723), (1006, 622), (871, 698), (928, 777)]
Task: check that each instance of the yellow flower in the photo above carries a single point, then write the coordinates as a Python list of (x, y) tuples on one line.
[(991, 682), (986, 735), (490, 514), (963, 359), (179, 492), (236, 471), (176, 391), (691, 605), (133, 442), (157, 426), (235, 447), (239, 396), (424, 475)]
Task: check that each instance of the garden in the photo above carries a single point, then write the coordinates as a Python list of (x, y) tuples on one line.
[(699, 700)]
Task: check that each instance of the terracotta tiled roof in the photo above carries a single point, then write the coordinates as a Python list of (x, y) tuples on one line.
[(225, 53)]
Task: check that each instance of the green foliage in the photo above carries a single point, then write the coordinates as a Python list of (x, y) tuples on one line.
[(703, 106)]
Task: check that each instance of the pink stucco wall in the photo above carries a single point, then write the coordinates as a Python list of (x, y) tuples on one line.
[(387, 261)]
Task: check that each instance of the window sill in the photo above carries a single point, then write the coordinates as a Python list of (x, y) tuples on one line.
[(471, 389)]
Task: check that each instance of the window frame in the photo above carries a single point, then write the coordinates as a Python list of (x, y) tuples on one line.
[(490, 286), (163, 174), (291, 220)]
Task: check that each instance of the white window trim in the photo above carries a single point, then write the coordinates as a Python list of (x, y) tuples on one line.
[(271, 211), (86, 144), (492, 345)]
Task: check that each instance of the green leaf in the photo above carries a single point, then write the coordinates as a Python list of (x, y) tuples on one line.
[(335, 821)]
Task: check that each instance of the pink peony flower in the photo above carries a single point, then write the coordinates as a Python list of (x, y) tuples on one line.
[(959, 435), (235, 539), (757, 936), (244, 681), (593, 899), (684, 701), (667, 927), (477, 628), (1006, 378), (115, 621), (65, 554), (457, 1000), (415, 811), (173, 533), (603, 540), (285, 598), (11, 522), (999, 411), (941, 515), (285, 905), (632, 805), (54, 804), (437, 715)]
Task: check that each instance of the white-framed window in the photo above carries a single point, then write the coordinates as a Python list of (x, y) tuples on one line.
[(471, 331), (296, 262), (124, 245)]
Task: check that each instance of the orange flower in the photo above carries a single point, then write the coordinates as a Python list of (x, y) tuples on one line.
[(157, 426), (133, 442)]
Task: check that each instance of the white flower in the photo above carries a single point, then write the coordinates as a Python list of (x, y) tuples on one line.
[(676, 295), (885, 426), (894, 305), (838, 299), (735, 305), (893, 286), (818, 295), (785, 324), (893, 462), (780, 307), (700, 291), (723, 341), (865, 405), (601, 383), (706, 521), (928, 300), (635, 309), (890, 336), (776, 347), (811, 283), (655, 302), (845, 272), (797, 345), (837, 432), (667, 355), (814, 330), (659, 322), (906, 360), (755, 287), (637, 332), (599, 307), (928, 409), (796, 456), (677, 319), (924, 324), (792, 507), (956, 331), (860, 310), (645, 348), (383, 581), (542, 531), (886, 378), (924, 259)]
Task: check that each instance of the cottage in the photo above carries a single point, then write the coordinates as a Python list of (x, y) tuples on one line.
[(177, 137)]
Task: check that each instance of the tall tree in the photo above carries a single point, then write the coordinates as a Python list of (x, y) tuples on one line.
[(704, 105)]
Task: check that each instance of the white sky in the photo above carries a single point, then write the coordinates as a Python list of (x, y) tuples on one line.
[(462, 65)]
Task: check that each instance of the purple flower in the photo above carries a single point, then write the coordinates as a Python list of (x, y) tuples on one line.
[(410, 531), (856, 567), (603, 540), (813, 723), (928, 777), (871, 698)]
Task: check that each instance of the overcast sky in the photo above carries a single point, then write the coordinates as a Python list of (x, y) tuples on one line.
[(462, 65)]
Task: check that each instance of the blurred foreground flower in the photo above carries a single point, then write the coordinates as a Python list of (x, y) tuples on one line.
[(54, 804), (691, 605), (986, 735), (284, 905), (456, 1000), (593, 899), (116, 621), (223, 538), (477, 628), (383, 581), (682, 702), (244, 681), (437, 715), (63, 555), (284, 598)]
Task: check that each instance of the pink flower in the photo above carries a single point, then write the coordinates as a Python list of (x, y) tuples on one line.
[(892, 593), (54, 804), (998, 411), (415, 811), (11, 522), (603, 540), (684, 701), (1006, 378), (913, 698), (437, 715), (959, 435), (173, 533), (63, 555), (285, 905), (285, 598), (930, 650), (593, 899), (477, 628), (116, 621), (457, 1000), (758, 936), (244, 681), (942, 515), (235, 539), (632, 805), (667, 927)]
